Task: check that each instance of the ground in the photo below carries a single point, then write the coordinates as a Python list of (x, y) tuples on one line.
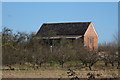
[(56, 74), (55, 71)]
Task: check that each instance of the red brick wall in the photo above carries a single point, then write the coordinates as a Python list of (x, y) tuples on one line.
[(91, 33)]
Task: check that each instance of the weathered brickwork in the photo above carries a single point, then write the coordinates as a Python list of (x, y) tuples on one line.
[(91, 38)]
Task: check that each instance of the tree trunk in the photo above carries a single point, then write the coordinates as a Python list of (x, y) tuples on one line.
[(20, 63), (105, 64), (118, 65), (40, 64), (62, 64), (50, 63), (112, 63), (90, 67), (34, 66), (85, 64), (37, 67)]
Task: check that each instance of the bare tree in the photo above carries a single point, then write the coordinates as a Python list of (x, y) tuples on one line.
[(63, 53)]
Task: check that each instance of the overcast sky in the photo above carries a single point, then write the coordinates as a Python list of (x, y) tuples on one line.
[(28, 17)]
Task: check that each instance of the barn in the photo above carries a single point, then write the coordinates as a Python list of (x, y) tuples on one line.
[(84, 31)]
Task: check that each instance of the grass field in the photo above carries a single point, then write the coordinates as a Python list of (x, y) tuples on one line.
[(54, 70)]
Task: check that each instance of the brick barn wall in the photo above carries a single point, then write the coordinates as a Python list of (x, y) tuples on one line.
[(91, 33)]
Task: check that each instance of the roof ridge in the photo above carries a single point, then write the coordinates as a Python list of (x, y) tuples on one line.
[(67, 22)]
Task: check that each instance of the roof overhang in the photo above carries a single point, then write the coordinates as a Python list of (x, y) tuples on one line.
[(67, 37)]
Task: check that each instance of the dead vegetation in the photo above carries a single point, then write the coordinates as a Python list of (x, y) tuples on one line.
[(21, 48)]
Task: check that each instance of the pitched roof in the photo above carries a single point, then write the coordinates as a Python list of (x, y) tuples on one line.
[(63, 29)]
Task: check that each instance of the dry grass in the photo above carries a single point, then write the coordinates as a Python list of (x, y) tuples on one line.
[(56, 73)]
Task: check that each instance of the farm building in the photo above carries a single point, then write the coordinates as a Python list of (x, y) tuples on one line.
[(84, 31)]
